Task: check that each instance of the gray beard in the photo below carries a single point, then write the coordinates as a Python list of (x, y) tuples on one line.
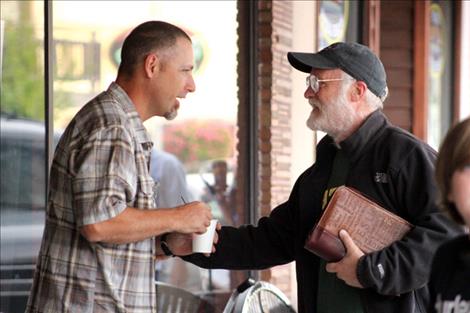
[(335, 117)]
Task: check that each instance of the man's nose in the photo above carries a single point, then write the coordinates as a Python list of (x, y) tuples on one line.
[(309, 93), (191, 86)]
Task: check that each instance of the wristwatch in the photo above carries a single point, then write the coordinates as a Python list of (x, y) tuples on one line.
[(164, 246)]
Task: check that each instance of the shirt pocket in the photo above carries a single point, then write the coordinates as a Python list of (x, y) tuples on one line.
[(145, 192)]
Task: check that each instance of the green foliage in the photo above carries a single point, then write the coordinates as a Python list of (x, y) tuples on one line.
[(22, 91)]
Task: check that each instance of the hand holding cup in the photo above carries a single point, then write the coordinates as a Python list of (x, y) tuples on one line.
[(203, 243)]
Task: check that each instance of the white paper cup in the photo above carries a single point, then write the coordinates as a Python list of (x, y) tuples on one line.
[(203, 243)]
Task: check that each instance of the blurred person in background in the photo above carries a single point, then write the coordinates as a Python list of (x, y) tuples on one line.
[(172, 190), (450, 274)]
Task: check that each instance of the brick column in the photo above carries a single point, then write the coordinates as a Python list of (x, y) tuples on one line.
[(275, 33)]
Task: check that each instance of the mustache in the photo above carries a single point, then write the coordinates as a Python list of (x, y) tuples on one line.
[(314, 103)]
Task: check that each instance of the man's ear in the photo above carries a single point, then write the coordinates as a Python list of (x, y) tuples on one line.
[(151, 65), (358, 91)]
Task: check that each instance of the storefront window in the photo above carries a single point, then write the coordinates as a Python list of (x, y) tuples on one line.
[(87, 39), (22, 148)]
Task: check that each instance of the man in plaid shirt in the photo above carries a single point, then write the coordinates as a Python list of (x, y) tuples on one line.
[(102, 231)]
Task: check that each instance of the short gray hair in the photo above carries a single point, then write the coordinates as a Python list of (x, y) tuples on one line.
[(375, 101), (371, 98)]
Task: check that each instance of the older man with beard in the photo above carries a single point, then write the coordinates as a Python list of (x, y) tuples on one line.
[(346, 86)]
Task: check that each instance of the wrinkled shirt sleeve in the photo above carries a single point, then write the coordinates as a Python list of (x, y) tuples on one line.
[(104, 179)]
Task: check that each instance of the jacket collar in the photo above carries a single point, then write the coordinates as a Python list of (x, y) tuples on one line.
[(355, 144)]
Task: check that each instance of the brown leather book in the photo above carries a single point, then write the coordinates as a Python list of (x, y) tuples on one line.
[(370, 226)]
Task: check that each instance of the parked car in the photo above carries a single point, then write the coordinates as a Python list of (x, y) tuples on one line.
[(22, 207)]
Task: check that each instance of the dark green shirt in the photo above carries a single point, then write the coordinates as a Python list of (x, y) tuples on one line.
[(334, 295)]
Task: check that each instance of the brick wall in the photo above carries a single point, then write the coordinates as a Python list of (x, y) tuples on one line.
[(265, 69), (275, 33), (281, 102)]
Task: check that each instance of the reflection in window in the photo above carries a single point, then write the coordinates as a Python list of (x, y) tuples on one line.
[(85, 46), (439, 72), (77, 60), (22, 149), (333, 22), (338, 20)]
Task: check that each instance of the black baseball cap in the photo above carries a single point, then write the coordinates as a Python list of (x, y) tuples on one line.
[(353, 58)]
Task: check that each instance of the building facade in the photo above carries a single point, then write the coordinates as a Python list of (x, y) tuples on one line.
[(57, 55)]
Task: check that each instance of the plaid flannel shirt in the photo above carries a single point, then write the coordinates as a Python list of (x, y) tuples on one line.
[(100, 167)]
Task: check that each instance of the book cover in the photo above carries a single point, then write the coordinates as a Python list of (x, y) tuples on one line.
[(370, 226)]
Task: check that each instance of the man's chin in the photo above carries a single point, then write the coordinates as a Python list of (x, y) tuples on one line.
[(311, 124), (315, 124), (312, 121), (170, 115)]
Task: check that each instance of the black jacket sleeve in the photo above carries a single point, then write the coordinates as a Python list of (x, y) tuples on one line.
[(269, 243)]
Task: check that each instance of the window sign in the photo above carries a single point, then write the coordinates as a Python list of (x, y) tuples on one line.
[(333, 22), (439, 73), (436, 66)]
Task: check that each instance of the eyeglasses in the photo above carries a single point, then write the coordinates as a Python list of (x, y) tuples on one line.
[(313, 82)]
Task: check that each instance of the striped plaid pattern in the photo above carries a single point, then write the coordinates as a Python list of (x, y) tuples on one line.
[(100, 167)]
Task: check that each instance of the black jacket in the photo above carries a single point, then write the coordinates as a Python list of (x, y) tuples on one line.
[(450, 277), (388, 165)]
